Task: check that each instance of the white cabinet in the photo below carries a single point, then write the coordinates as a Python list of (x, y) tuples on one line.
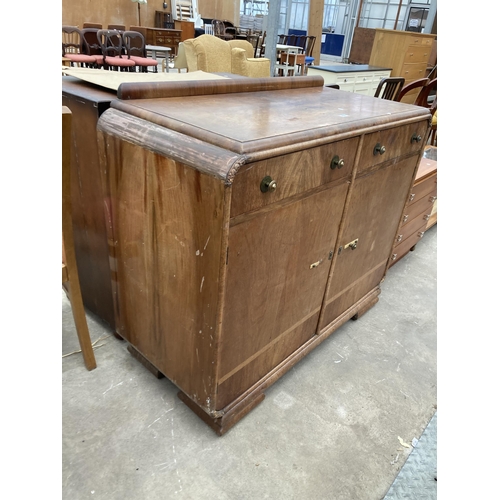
[(359, 78)]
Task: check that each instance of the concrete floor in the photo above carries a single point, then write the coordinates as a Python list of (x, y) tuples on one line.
[(337, 426)]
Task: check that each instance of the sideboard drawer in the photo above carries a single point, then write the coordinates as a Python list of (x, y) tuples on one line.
[(293, 174), (390, 143)]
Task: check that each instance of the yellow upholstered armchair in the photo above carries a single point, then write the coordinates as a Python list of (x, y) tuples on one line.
[(244, 63), (213, 55)]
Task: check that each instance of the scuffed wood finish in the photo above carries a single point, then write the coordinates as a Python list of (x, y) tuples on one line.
[(220, 286), (284, 255), (167, 239), (274, 122)]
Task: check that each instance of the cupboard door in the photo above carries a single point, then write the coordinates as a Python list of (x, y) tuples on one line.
[(278, 266), (372, 218)]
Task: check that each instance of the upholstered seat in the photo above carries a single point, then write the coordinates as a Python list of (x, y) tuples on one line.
[(213, 55)]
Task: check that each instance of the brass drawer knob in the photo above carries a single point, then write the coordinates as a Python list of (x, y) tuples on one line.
[(378, 149), (416, 138), (268, 184), (336, 162)]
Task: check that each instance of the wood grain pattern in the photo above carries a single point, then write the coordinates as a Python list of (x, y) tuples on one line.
[(284, 254), (221, 287), (372, 217), (167, 247), (159, 90), (272, 123)]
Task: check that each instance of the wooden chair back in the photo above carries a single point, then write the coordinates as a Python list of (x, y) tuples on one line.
[(72, 40), (414, 87), (111, 43), (69, 267), (135, 44), (389, 88), (118, 27)]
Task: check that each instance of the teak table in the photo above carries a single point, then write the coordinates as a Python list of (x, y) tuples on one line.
[(249, 219)]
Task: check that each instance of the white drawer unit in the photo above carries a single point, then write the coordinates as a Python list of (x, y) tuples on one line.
[(358, 78)]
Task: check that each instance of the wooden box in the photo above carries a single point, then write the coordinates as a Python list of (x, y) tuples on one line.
[(251, 218)]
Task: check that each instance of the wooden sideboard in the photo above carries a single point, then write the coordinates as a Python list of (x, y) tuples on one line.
[(237, 250), (420, 212), (359, 78), (407, 53), (162, 37)]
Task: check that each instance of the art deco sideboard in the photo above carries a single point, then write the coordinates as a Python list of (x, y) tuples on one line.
[(249, 219)]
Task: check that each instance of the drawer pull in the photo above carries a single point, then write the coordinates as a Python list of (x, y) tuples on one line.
[(415, 138), (352, 245), (268, 184), (399, 238), (412, 197), (315, 264), (336, 162), (432, 199), (393, 256), (420, 234), (405, 218), (378, 149), (427, 217)]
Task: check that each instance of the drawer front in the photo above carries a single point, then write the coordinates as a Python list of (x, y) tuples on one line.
[(363, 78), (346, 80), (419, 190), (412, 72), (426, 41), (293, 173), (393, 142), (402, 249), (423, 205), (416, 55), (417, 224)]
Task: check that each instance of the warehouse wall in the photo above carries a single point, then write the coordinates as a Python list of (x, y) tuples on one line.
[(126, 12)]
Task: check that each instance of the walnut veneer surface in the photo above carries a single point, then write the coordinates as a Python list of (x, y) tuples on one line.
[(249, 220)]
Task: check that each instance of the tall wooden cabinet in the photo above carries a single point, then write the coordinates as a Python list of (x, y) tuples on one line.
[(239, 247), (407, 53)]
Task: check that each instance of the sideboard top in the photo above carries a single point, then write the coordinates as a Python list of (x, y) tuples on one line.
[(251, 122)]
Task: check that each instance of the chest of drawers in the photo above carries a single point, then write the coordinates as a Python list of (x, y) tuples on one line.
[(420, 212), (239, 249), (359, 78), (407, 53), (161, 37)]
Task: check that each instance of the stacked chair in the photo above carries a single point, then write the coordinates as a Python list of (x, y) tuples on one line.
[(111, 49)]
